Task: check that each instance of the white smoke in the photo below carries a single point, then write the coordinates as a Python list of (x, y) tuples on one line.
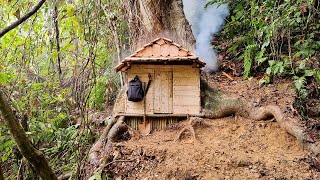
[(204, 24)]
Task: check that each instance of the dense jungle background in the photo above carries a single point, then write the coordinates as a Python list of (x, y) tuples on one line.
[(57, 67)]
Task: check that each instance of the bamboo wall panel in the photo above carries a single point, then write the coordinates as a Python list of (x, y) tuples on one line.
[(156, 123), (183, 93), (133, 122), (186, 90), (134, 71), (170, 91), (186, 73), (189, 81), (157, 95)]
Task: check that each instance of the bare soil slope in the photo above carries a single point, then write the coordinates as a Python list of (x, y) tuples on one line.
[(230, 148)]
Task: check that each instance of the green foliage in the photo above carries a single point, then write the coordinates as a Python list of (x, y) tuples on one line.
[(105, 89), (29, 74), (283, 32), (279, 37), (3, 78), (317, 75), (6, 148), (276, 38), (98, 175), (275, 67)]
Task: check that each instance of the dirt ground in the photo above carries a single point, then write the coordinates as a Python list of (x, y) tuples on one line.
[(230, 148)]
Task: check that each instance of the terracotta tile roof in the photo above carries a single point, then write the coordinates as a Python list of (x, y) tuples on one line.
[(160, 50)]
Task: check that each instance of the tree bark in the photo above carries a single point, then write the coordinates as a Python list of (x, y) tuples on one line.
[(1, 173), (33, 155), (57, 33), (149, 19), (108, 135), (22, 19)]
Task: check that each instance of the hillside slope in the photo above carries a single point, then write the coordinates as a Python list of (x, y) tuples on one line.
[(230, 148)]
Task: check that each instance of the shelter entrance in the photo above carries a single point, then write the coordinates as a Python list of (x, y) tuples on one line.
[(163, 93)]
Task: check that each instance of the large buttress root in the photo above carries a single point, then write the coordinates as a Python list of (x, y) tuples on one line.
[(109, 135), (227, 107), (217, 105), (97, 151), (288, 124)]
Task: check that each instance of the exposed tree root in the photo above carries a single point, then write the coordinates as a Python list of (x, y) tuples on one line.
[(237, 107), (100, 152), (189, 126), (215, 106), (109, 135)]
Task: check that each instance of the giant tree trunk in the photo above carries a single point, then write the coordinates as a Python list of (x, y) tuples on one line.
[(149, 19), (33, 155)]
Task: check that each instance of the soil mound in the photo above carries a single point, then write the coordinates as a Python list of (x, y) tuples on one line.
[(231, 148)]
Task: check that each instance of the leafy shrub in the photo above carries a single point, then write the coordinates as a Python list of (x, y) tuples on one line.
[(283, 35), (279, 38)]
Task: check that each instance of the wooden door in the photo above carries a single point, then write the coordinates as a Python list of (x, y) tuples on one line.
[(163, 92)]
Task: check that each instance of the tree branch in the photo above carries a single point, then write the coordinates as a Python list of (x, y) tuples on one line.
[(33, 155), (56, 27), (22, 19), (1, 173)]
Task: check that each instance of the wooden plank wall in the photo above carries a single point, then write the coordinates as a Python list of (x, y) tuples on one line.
[(137, 107), (163, 91), (186, 90), (185, 87)]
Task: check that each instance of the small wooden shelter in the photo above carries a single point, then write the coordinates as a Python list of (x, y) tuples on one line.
[(175, 83)]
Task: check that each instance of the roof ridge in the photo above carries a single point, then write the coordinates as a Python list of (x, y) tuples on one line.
[(161, 49)]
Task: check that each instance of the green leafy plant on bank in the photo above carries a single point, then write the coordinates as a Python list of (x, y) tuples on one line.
[(276, 31), (30, 77), (277, 38)]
